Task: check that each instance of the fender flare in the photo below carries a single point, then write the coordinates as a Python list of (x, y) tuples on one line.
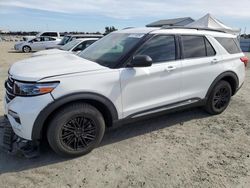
[(220, 77), (50, 108)]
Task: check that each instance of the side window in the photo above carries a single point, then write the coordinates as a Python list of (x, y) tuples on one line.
[(159, 48), (89, 42), (80, 47), (210, 49), (38, 39), (229, 44), (193, 46), (51, 39), (46, 38)]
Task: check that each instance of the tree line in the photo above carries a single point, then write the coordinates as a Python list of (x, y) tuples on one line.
[(108, 29)]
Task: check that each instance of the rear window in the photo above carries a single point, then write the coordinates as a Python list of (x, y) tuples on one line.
[(230, 44)]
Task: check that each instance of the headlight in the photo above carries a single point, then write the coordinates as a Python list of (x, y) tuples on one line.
[(33, 89)]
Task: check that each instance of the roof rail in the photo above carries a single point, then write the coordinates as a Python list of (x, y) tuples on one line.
[(197, 28), (127, 28)]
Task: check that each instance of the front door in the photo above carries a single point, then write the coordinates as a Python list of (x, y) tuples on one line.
[(149, 89)]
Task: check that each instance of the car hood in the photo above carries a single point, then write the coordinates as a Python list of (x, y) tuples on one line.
[(49, 52), (37, 68)]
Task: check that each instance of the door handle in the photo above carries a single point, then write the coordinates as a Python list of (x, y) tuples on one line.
[(214, 61), (170, 68)]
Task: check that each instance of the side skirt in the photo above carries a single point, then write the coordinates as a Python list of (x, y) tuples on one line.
[(155, 112)]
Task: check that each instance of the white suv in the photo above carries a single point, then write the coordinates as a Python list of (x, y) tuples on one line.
[(129, 74)]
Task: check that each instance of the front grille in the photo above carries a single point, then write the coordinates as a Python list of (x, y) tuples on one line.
[(9, 86)]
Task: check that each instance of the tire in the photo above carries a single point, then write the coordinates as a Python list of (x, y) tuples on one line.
[(26, 49), (219, 98), (76, 130)]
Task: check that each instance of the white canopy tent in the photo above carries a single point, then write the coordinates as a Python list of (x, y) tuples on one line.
[(210, 22)]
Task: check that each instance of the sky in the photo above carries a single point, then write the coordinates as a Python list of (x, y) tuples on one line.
[(95, 15)]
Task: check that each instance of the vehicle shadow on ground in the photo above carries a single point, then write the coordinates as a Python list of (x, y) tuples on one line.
[(9, 163), (15, 52)]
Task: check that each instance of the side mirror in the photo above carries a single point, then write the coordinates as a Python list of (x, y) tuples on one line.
[(141, 61)]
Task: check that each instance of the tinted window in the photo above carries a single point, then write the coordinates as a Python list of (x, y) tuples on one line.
[(193, 46), (210, 49), (159, 48), (229, 44)]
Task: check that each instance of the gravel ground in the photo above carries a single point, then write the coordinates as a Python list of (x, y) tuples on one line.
[(183, 149)]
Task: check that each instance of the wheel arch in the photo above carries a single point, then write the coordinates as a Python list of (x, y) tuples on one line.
[(228, 76), (103, 104)]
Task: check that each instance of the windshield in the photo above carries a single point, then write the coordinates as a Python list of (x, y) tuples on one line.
[(64, 40), (69, 46), (111, 48)]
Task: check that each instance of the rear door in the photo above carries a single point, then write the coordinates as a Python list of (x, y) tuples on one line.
[(150, 89), (201, 64), (49, 42)]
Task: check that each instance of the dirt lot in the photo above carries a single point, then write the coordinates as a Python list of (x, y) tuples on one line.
[(184, 149)]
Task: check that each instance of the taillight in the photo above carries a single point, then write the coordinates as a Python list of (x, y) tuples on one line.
[(244, 60)]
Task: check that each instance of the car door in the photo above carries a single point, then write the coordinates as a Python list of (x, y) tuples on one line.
[(201, 64), (150, 89), (36, 44), (49, 42)]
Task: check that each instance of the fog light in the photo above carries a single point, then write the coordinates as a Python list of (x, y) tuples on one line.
[(15, 116)]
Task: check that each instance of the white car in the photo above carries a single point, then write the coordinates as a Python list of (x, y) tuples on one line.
[(125, 76), (75, 46), (68, 38), (36, 44), (54, 34)]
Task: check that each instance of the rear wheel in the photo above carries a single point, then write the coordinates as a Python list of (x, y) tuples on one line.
[(76, 130), (26, 49), (219, 98)]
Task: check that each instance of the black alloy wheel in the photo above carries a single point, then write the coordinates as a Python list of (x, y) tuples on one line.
[(219, 98), (78, 133), (76, 130)]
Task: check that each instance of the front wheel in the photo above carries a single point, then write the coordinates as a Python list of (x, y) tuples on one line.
[(26, 49), (76, 130), (219, 98)]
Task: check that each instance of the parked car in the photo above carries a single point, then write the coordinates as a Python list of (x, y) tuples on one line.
[(125, 76), (36, 44), (54, 34), (68, 38), (75, 46)]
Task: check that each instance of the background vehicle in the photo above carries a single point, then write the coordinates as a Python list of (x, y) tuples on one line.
[(75, 46), (124, 76), (68, 38), (54, 34), (36, 44)]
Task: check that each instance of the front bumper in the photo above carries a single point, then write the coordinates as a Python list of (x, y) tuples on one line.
[(17, 47), (23, 111)]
